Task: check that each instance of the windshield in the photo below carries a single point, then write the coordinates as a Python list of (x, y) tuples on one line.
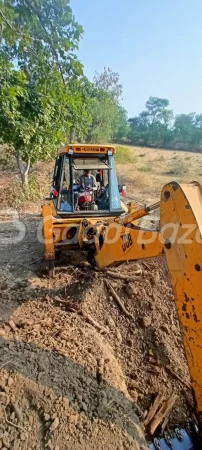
[(88, 184)]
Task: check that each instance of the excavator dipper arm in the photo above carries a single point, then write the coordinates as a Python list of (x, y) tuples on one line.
[(181, 227), (180, 238)]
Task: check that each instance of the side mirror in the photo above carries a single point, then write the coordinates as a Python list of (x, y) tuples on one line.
[(120, 186)]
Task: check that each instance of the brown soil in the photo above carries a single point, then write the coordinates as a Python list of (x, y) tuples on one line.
[(69, 384), (75, 372)]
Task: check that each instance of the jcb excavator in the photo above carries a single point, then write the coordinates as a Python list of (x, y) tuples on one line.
[(85, 211)]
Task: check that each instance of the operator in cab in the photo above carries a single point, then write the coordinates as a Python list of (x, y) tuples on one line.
[(87, 181)]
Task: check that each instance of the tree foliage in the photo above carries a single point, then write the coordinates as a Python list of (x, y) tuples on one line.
[(156, 126), (151, 126), (45, 100), (45, 30), (44, 96), (109, 119)]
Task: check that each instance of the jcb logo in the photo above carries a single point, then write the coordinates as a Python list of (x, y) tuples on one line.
[(126, 241)]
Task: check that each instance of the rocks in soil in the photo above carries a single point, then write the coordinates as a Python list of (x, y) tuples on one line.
[(10, 381), (3, 285), (165, 328), (130, 290), (145, 321), (110, 322), (11, 324), (119, 337), (134, 395), (54, 424), (6, 440), (23, 436), (46, 417)]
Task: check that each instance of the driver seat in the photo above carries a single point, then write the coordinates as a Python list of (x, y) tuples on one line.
[(103, 201)]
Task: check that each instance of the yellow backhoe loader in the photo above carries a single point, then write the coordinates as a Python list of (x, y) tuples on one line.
[(85, 211)]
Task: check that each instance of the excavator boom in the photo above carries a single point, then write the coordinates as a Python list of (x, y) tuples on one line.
[(181, 207), (180, 239)]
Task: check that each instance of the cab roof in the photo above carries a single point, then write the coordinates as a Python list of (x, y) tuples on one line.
[(87, 149)]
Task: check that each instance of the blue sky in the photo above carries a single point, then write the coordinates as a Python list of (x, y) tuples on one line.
[(155, 46)]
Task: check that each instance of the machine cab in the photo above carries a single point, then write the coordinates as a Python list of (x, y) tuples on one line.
[(85, 181)]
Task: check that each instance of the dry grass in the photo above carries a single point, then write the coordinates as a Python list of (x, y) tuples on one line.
[(153, 168), (178, 168), (11, 192)]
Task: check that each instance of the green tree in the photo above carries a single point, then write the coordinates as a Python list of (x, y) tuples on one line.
[(120, 126), (42, 30), (187, 131), (34, 118), (139, 127), (155, 107), (152, 126), (106, 110), (159, 119), (43, 94), (103, 110)]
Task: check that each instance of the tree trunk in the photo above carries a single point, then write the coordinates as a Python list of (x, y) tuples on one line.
[(24, 170), (24, 179)]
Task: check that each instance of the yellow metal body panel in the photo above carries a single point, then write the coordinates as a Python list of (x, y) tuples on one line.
[(123, 244), (56, 229), (181, 226), (48, 231), (136, 212), (84, 149), (77, 220), (51, 203), (124, 207)]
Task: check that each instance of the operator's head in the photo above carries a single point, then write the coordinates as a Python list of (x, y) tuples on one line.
[(86, 172)]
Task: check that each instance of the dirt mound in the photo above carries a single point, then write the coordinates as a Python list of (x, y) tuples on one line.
[(35, 417), (77, 368), (49, 328)]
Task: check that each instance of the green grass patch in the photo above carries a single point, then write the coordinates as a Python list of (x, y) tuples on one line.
[(145, 168), (124, 155)]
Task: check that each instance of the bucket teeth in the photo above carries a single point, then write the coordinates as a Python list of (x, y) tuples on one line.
[(168, 440), (157, 444), (185, 439), (178, 434)]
